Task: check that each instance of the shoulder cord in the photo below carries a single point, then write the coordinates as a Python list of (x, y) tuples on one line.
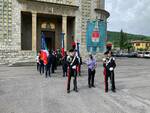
[(73, 60), (108, 61)]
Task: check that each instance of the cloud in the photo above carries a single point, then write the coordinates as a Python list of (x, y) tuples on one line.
[(130, 15)]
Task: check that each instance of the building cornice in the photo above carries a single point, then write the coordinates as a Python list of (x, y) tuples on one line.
[(44, 2), (102, 11)]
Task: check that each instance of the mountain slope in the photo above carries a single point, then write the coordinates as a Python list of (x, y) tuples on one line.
[(115, 36)]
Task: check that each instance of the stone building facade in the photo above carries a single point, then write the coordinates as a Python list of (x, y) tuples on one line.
[(23, 21)]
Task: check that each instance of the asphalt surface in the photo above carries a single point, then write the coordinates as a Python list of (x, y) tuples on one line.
[(24, 90)]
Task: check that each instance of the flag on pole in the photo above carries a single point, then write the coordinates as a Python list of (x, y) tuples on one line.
[(78, 48), (62, 45), (44, 49), (43, 42)]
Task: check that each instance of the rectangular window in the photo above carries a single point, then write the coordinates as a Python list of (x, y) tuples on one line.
[(137, 44), (26, 31)]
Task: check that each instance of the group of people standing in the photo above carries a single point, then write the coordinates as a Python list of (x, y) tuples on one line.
[(108, 64), (71, 66), (47, 62)]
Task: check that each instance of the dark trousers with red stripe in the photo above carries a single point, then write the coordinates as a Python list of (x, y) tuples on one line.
[(109, 74), (73, 73), (112, 78)]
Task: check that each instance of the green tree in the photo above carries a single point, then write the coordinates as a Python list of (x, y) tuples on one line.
[(125, 43), (128, 46), (123, 40)]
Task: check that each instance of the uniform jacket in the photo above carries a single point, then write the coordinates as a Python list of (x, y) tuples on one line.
[(110, 63)]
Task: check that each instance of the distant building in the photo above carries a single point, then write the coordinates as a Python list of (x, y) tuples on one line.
[(23, 21), (141, 45)]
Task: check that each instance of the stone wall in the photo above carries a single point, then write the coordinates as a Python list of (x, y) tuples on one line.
[(13, 56), (10, 34), (5, 24), (85, 16)]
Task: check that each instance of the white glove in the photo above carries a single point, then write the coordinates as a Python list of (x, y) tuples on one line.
[(104, 59), (74, 67), (111, 69)]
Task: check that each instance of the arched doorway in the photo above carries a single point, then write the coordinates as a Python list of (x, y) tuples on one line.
[(49, 31)]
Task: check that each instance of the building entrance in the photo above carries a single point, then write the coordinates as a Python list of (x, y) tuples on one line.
[(50, 39), (52, 26)]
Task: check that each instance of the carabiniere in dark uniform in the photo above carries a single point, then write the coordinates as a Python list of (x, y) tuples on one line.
[(109, 65), (72, 63)]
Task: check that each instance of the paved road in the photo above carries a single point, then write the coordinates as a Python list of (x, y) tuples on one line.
[(24, 90)]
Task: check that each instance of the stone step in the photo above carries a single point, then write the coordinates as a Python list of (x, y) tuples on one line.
[(13, 56), (18, 64)]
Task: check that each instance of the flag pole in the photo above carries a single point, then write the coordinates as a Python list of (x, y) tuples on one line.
[(62, 44)]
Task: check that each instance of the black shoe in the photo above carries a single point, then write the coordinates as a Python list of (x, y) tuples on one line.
[(89, 86), (93, 86), (106, 91), (113, 90), (68, 91), (76, 90)]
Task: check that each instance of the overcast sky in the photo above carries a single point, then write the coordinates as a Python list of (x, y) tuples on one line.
[(133, 16)]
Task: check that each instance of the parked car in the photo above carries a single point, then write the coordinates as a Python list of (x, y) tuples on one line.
[(147, 54), (132, 54), (124, 54), (120, 54), (140, 54)]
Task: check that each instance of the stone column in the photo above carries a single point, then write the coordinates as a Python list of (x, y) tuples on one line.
[(102, 4), (64, 30), (98, 3), (34, 31)]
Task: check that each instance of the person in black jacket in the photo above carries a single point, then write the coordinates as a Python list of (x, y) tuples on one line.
[(53, 57), (109, 66), (64, 64), (41, 62), (72, 63), (48, 66)]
